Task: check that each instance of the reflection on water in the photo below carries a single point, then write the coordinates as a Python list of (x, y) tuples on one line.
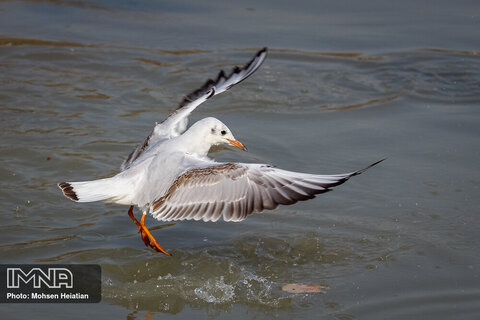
[(400, 241)]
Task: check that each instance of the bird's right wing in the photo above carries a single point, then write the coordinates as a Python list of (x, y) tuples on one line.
[(176, 123), (232, 191)]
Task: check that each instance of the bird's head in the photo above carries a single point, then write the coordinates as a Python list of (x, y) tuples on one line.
[(212, 132)]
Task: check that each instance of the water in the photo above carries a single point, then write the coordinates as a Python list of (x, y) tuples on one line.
[(344, 84)]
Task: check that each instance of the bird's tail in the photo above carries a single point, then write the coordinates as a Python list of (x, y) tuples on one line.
[(108, 190)]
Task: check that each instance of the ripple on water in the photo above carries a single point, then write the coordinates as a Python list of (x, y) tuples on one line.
[(424, 303), (250, 272), (194, 279), (81, 105)]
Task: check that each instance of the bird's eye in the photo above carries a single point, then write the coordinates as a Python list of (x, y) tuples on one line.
[(223, 132)]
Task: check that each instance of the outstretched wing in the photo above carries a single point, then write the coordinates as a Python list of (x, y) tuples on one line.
[(177, 122), (233, 191)]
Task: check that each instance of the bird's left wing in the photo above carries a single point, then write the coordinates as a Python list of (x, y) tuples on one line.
[(177, 122), (232, 191)]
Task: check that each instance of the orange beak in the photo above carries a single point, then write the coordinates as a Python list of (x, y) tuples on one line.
[(237, 144)]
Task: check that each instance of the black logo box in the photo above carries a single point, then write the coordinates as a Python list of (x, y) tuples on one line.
[(50, 283)]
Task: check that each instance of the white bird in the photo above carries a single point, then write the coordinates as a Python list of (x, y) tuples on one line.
[(171, 177)]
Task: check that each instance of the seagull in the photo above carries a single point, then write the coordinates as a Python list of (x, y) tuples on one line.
[(171, 176)]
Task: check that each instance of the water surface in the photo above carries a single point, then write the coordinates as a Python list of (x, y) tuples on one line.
[(344, 85)]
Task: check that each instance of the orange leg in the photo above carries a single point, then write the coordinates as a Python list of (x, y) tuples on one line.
[(147, 237)]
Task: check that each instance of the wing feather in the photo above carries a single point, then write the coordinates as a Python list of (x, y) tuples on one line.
[(176, 123), (233, 191)]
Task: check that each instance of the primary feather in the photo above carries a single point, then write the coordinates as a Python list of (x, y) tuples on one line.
[(176, 123)]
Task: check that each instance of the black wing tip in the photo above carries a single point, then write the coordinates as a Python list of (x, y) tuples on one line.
[(222, 75), (210, 83), (261, 51), (257, 60), (67, 190), (260, 55), (365, 169)]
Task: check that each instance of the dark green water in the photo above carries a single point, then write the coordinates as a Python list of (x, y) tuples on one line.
[(344, 84)]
